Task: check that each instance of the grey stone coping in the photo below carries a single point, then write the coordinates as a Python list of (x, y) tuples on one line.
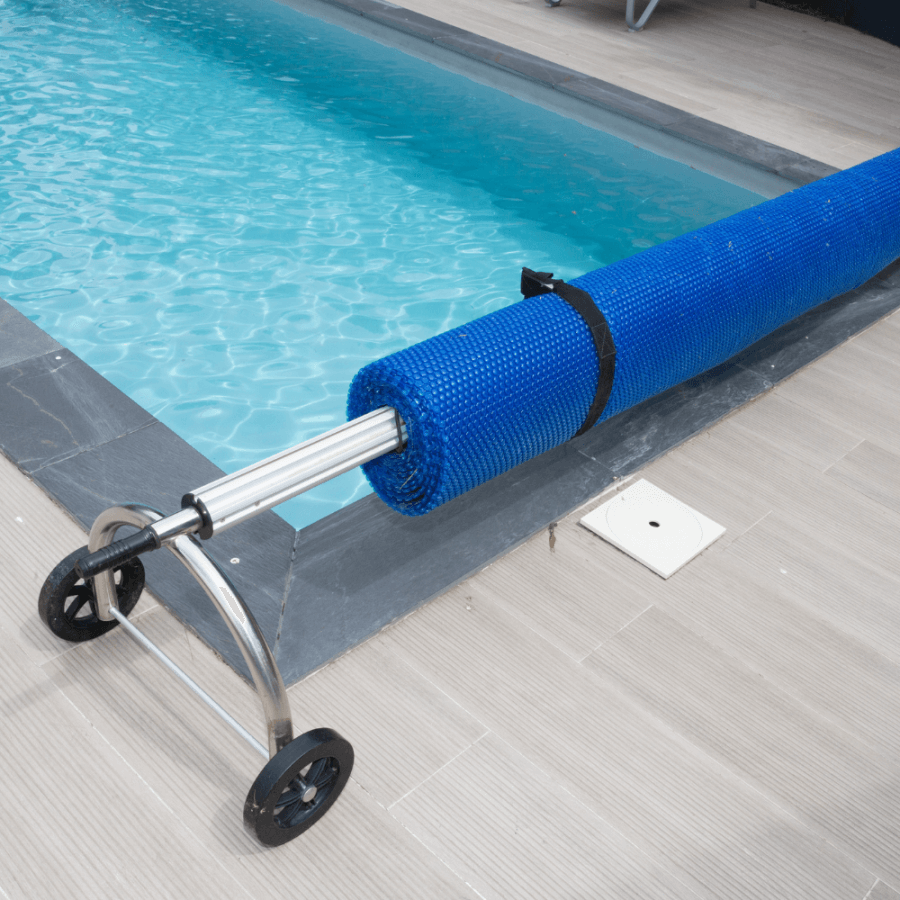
[(21, 341), (319, 591)]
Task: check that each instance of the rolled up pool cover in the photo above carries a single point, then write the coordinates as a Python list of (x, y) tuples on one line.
[(485, 397)]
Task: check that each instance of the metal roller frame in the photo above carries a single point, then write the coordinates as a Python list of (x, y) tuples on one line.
[(226, 599), (214, 508)]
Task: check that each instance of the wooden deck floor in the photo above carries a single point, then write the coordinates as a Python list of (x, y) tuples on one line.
[(565, 723)]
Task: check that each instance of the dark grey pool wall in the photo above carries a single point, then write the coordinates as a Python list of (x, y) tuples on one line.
[(324, 589)]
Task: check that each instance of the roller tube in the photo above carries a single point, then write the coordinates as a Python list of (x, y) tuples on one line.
[(487, 396)]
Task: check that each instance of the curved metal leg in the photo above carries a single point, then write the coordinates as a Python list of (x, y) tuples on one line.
[(642, 21), (224, 596), (103, 531)]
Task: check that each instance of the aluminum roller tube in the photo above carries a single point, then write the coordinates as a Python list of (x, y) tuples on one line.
[(235, 498)]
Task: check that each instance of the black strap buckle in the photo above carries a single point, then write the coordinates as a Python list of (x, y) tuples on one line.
[(536, 283)]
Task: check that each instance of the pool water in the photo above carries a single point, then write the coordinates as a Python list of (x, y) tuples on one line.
[(227, 208)]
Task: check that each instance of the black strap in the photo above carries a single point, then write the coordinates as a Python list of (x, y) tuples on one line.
[(536, 283)]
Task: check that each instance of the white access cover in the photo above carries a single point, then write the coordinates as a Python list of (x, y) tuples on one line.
[(653, 527)]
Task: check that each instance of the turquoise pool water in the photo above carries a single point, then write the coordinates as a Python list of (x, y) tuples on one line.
[(227, 208)]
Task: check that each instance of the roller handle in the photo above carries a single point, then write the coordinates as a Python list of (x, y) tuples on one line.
[(117, 553)]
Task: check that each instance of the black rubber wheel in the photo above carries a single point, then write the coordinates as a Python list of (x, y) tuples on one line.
[(67, 604), (276, 811)]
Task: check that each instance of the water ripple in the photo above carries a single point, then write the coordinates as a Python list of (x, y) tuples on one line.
[(227, 208)]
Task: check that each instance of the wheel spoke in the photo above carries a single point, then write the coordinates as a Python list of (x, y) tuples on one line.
[(321, 773), (290, 799), (80, 596), (291, 795), (315, 772), (289, 805)]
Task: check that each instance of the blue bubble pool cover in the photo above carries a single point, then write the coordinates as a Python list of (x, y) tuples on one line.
[(485, 397)]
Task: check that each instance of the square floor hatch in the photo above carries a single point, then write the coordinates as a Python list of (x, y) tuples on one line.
[(653, 527)]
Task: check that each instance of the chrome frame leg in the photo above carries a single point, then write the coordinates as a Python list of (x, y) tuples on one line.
[(189, 682), (642, 21), (225, 598)]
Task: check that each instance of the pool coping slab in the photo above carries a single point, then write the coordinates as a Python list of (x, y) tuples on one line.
[(319, 591)]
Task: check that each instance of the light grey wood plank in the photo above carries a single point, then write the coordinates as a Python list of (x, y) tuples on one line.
[(721, 469), (823, 546), (747, 108), (827, 778), (672, 800), (745, 606), (202, 771), (545, 587), (403, 728), (870, 355), (816, 570), (884, 339), (845, 155), (872, 471), (508, 829), (76, 819), (855, 390), (889, 324), (882, 891), (861, 75), (792, 430)]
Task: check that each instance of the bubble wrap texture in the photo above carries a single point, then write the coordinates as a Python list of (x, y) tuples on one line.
[(482, 398)]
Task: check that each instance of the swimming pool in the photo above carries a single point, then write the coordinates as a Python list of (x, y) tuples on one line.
[(228, 208)]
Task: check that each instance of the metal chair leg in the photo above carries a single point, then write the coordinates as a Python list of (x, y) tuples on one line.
[(642, 21)]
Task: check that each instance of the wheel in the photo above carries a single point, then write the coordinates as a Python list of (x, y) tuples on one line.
[(67, 604), (297, 786)]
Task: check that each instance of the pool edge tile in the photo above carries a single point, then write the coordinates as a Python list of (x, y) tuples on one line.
[(20, 338), (58, 406), (366, 566), (635, 437)]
